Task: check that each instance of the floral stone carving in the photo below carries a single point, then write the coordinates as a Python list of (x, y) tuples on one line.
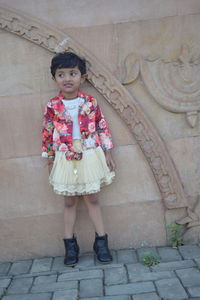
[(174, 84), (192, 222), (145, 133)]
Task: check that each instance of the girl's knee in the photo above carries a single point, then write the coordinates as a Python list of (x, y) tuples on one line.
[(70, 202), (92, 199)]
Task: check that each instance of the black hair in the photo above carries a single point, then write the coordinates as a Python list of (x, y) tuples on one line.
[(67, 60)]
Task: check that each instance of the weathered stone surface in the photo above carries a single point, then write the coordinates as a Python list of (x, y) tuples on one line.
[(66, 295), (130, 288), (41, 265), (20, 286), (150, 276), (189, 277), (4, 267), (190, 251), (149, 296), (42, 296), (126, 256), (168, 254), (170, 266), (55, 286), (115, 276), (91, 288), (4, 282), (20, 267), (45, 279), (171, 289), (81, 275), (194, 291)]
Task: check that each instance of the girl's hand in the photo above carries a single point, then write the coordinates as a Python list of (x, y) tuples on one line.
[(49, 163), (109, 160)]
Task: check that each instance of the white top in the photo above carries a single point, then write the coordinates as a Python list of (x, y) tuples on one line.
[(72, 108)]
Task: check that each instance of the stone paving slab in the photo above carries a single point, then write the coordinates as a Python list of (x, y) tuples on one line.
[(20, 286), (146, 296), (45, 279), (43, 296), (121, 297), (190, 251), (55, 286), (4, 267), (66, 295), (4, 283), (81, 275), (171, 289), (20, 267), (175, 265), (168, 254), (130, 288), (91, 288), (41, 265), (189, 277), (194, 291), (115, 276), (127, 256)]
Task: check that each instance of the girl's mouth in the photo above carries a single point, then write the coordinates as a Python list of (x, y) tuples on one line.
[(68, 85)]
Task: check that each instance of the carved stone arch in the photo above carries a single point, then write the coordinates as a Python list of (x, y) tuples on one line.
[(148, 138)]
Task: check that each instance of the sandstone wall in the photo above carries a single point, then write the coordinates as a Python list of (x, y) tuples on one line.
[(153, 53)]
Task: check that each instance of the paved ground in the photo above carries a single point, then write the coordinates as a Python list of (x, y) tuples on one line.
[(176, 277)]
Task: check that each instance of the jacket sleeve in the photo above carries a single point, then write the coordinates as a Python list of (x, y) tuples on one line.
[(47, 133), (102, 130)]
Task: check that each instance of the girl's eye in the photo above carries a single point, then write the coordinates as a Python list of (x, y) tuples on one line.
[(73, 73), (60, 75)]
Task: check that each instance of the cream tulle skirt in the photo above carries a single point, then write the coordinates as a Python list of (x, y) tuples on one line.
[(80, 177)]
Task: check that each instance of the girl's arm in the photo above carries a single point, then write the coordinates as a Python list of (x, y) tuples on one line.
[(47, 133)]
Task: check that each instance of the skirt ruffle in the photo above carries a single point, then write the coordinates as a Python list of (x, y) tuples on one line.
[(80, 177)]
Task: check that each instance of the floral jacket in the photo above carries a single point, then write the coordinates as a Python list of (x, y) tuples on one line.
[(58, 125)]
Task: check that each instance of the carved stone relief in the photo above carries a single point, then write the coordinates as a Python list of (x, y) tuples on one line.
[(174, 84), (121, 100)]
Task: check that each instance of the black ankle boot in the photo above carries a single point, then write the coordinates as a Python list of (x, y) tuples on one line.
[(71, 252), (101, 249)]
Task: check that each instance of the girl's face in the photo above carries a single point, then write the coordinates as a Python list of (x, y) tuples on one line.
[(69, 81)]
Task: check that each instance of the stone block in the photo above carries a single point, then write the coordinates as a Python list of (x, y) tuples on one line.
[(66, 295), (86, 261), (79, 275), (115, 276), (194, 291), (4, 267), (175, 265), (126, 256), (189, 277), (150, 276), (41, 265), (149, 296), (54, 286), (42, 296), (4, 282), (91, 288), (190, 251), (121, 297), (130, 288), (136, 269), (168, 254), (20, 286), (20, 267), (171, 289), (45, 279)]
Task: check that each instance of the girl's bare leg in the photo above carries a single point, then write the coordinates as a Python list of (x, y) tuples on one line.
[(94, 211), (70, 216)]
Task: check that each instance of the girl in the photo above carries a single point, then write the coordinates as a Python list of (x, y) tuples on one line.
[(76, 140)]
